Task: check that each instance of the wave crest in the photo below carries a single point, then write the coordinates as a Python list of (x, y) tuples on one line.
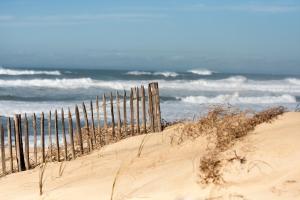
[(231, 84), (293, 81), (204, 72), (137, 73), (237, 99), (165, 74), (17, 72)]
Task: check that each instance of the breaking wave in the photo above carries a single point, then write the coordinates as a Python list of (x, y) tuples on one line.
[(204, 72), (137, 73), (237, 99), (17, 72), (231, 84), (165, 74)]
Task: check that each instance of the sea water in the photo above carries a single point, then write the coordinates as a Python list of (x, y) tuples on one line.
[(184, 94)]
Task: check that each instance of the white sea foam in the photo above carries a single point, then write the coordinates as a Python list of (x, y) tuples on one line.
[(16, 72), (231, 84), (166, 74), (204, 72), (137, 73), (235, 98), (9, 108), (293, 81), (163, 73), (235, 83)]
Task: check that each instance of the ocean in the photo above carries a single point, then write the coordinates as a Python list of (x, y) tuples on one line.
[(184, 94)]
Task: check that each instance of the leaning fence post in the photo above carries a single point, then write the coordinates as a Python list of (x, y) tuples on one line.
[(87, 127), (27, 164), (50, 135), (9, 132), (56, 137), (93, 123), (144, 109), (78, 129), (34, 138), (2, 148), (71, 134), (43, 137), (131, 112), (64, 134)]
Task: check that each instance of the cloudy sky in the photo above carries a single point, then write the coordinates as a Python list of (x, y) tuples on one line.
[(240, 36)]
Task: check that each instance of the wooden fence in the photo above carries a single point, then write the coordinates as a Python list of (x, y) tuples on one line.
[(18, 154)]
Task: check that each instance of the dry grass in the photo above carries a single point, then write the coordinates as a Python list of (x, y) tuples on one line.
[(141, 146), (61, 169), (41, 177), (223, 126), (114, 183)]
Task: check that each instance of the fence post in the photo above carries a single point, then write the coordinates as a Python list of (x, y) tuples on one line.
[(105, 119), (131, 112), (43, 137), (78, 129), (137, 96), (71, 134), (50, 135), (34, 138), (19, 149), (2, 148), (157, 101), (119, 116), (10, 144), (144, 109), (27, 163), (87, 128), (112, 116), (93, 123), (56, 137), (64, 134), (151, 117), (124, 114), (104, 111), (153, 91), (98, 120)]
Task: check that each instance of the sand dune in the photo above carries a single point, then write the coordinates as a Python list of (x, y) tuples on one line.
[(170, 171)]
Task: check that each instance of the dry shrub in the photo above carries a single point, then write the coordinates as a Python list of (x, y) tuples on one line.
[(223, 126), (210, 169), (227, 124)]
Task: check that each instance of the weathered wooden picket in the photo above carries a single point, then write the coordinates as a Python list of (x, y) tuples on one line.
[(17, 154)]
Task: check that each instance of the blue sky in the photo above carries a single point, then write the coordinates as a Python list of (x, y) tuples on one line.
[(240, 36)]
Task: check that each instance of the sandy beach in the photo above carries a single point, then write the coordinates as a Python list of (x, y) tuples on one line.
[(142, 100), (160, 169)]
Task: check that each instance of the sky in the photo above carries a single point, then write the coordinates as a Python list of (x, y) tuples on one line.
[(230, 36)]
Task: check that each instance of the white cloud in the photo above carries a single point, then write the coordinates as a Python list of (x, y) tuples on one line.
[(94, 17), (262, 8), (77, 19), (268, 8), (6, 18)]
